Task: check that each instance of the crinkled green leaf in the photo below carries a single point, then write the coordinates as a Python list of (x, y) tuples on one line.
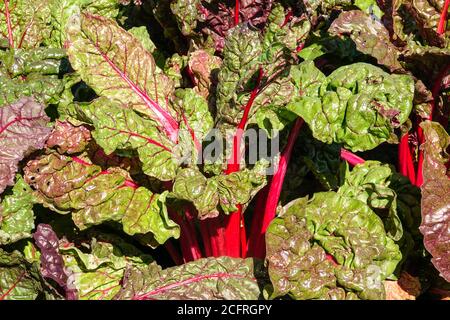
[(435, 197), (221, 191), (19, 280), (63, 10), (196, 120), (32, 72), (312, 51), (118, 67), (94, 195), (222, 278), (369, 35), (16, 213), (369, 182), (358, 105), (247, 58), (123, 129), (241, 61), (331, 247), (282, 37), (322, 159), (29, 24), (316, 8)]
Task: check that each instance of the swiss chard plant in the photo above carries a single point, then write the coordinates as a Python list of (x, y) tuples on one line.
[(203, 149)]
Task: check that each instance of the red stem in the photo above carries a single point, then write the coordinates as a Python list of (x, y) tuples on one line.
[(8, 25), (173, 252), (262, 218), (206, 237), (217, 234), (234, 222), (443, 19), (405, 160), (234, 161), (287, 18), (236, 13), (351, 158), (188, 240)]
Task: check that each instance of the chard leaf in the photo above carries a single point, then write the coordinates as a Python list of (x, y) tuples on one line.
[(370, 183), (255, 75), (16, 213), (52, 264), (214, 19), (97, 275), (322, 159), (63, 10), (435, 199), (117, 66), (123, 129), (23, 129), (23, 25), (32, 72), (369, 35), (354, 105), (241, 61), (330, 247), (19, 280), (210, 278), (94, 196), (69, 139), (204, 67), (196, 122), (221, 191), (427, 15)]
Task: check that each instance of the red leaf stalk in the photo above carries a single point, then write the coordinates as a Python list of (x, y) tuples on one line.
[(351, 158), (443, 19), (173, 252), (405, 160), (206, 237), (236, 13), (262, 218), (8, 25), (188, 240)]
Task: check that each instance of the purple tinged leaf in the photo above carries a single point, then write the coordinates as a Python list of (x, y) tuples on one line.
[(435, 225), (67, 138), (369, 35), (52, 264), (23, 129), (213, 18)]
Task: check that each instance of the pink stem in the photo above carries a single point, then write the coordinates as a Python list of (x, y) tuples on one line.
[(236, 13), (351, 158), (173, 252), (8, 25), (262, 219), (443, 19)]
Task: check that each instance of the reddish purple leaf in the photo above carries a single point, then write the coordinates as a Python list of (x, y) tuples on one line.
[(23, 129)]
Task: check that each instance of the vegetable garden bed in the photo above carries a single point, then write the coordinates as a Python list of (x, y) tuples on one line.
[(204, 149)]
